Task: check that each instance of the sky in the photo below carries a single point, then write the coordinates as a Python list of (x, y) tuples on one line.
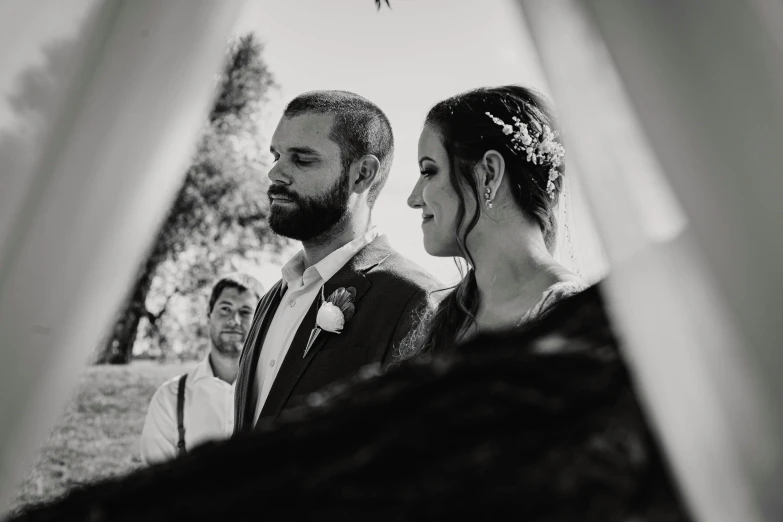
[(404, 59)]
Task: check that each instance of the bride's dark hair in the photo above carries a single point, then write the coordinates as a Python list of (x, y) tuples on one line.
[(467, 133)]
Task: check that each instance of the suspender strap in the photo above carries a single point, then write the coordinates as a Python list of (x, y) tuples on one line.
[(181, 414)]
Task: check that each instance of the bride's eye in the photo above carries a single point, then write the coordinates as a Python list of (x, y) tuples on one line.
[(428, 172)]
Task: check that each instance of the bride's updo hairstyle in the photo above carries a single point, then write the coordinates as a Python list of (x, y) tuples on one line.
[(470, 124), (467, 133)]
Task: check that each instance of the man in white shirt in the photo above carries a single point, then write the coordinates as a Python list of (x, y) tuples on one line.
[(199, 406), (332, 152)]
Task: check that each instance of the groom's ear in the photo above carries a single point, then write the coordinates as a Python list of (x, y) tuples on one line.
[(363, 173), (492, 168)]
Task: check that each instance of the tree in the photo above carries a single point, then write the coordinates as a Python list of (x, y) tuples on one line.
[(221, 209)]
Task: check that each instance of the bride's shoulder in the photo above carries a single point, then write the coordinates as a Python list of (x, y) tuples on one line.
[(563, 289), (556, 292)]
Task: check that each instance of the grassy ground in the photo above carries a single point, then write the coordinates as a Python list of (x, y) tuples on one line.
[(98, 434)]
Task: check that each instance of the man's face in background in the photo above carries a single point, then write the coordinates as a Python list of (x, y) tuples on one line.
[(230, 320)]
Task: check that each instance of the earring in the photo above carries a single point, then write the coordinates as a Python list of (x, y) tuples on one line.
[(487, 198)]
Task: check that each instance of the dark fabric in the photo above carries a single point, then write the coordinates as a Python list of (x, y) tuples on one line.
[(181, 414), (244, 403), (540, 425), (390, 291)]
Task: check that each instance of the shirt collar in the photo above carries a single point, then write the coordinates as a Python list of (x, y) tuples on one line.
[(293, 272), (202, 370)]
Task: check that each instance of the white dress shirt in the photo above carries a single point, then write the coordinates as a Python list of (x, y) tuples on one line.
[(209, 414), (302, 287)]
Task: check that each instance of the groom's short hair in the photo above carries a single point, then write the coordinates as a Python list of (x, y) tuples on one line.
[(360, 128)]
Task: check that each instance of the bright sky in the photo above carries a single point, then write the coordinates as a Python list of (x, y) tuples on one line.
[(405, 60)]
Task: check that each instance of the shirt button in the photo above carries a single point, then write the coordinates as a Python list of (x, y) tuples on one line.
[(272, 363), (292, 304)]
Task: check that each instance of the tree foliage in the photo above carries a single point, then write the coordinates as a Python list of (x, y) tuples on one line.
[(219, 214)]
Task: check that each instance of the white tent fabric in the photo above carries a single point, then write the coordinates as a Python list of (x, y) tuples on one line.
[(82, 202), (693, 229)]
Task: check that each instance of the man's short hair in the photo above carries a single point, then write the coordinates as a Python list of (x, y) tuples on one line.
[(240, 281), (360, 128)]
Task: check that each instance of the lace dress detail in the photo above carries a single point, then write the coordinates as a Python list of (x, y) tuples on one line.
[(550, 297)]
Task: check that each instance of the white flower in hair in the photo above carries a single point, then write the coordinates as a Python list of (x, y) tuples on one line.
[(540, 149)]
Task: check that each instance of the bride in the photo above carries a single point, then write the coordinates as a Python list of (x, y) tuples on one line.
[(491, 179)]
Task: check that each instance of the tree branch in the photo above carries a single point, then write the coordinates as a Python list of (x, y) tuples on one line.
[(153, 318)]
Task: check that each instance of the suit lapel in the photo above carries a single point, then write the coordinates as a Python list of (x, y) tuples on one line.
[(294, 365), (246, 398)]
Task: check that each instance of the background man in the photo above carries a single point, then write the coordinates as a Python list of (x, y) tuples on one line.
[(201, 402)]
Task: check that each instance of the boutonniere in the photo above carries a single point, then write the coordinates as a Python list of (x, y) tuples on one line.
[(334, 312)]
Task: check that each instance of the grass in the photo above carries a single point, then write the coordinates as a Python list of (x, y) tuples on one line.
[(98, 434)]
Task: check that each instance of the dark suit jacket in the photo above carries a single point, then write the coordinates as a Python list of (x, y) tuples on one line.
[(390, 293)]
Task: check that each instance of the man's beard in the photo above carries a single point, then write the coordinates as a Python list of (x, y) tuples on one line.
[(228, 348), (308, 218)]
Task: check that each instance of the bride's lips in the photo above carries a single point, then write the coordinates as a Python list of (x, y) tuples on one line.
[(426, 218)]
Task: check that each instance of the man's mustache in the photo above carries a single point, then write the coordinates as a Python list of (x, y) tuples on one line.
[(280, 191)]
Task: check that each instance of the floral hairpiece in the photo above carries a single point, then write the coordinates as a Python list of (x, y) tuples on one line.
[(541, 148)]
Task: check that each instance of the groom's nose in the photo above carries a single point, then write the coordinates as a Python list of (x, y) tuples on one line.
[(276, 175)]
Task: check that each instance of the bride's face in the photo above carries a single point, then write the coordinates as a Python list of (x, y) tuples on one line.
[(435, 196)]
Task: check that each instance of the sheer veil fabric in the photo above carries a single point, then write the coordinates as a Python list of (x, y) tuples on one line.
[(578, 246)]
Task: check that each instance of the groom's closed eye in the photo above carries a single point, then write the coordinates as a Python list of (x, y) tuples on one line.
[(297, 160), (303, 162)]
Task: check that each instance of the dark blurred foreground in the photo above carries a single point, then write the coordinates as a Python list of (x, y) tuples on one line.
[(542, 424)]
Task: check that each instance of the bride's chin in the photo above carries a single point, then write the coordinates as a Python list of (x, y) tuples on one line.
[(438, 250)]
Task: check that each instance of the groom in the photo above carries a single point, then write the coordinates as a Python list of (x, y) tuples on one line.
[(347, 298)]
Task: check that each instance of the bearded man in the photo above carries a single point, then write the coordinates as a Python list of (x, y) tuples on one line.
[(347, 299)]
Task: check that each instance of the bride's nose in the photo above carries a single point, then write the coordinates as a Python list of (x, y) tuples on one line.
[(414, 200)]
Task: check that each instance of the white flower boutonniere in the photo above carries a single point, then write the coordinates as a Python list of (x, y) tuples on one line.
[(334, 312)]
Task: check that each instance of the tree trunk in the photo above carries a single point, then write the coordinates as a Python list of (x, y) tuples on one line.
[(118, 347)]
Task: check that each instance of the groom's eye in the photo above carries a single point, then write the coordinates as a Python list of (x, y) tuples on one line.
[(302, 162)]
